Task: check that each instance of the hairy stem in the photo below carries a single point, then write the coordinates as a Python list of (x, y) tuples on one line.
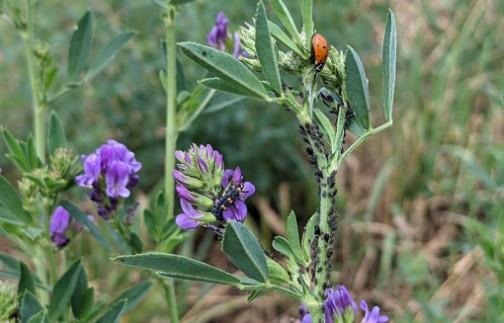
[(37, 107), (171, 138)]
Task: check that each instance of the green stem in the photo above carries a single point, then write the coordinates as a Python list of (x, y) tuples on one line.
[(171, 138), (171, 96), (171, 298), (198, 110), (37, 107)]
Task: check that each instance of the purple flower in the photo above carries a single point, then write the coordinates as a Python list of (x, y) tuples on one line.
[(111, 171), (59, 226), (189, 218), (372, 316), (304, 314), (218, 35), (117, 177), (92, 171), (207, 192), (235, 192), (237, 50), (337, 301)]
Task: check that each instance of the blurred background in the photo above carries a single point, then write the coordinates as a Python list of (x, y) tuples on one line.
[(421, 204)]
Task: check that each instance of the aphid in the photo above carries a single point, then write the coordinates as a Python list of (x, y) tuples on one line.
[(320, 51)]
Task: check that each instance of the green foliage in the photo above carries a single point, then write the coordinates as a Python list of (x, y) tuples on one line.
[(80, 46), (266, 51), (226, 67), (244, 251), (30, 306), (389, 65), (56, 134), (63, 291), (357, 87), (179, 267)]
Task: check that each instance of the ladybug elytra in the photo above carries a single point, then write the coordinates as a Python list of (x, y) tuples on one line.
[(320, 50)]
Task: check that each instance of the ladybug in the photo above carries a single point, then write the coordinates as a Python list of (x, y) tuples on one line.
[(320, 51)]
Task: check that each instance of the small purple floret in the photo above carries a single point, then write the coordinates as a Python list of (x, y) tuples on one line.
[(59, 226), (372, 316)]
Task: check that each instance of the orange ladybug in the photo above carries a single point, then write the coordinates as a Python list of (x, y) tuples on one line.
[(320, 51)]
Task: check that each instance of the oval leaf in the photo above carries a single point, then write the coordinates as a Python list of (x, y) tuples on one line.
[(286, 19), (11, 201), (179, 267), (357, 87), (63, 291), (224, 66), (57, 137), (109, 53), (327, 127), (26, 280), (265, 49), (245, 252), (30, 307), (80, 45), (307, 13), (282, 37), (389, 65)]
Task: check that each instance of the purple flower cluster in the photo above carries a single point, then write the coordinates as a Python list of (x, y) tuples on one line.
[(218, 36), (340, 307), (110, 172), (337, 301), (207, 192)]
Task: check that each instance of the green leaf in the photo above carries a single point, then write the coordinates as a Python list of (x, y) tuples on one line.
[(40, 317), (80, 45), (277, 273), (134, 295), (327, 127), (82, 218), (224, 66), (57, 138), (106, 55), (221, 85), (265, 49), (357, 87), (179, 267), (11, 201), (30, 306), (82, 297), (113, 313), (63, 291), (283, 246), (26, 280), (245, 252), (293, 235), (308, 234), (389, 65), (282, 37), (16, 153), (286, 19), (307, 14)]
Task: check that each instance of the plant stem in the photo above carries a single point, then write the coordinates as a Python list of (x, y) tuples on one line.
[(37, 108), (171, 96), (171, 138)]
